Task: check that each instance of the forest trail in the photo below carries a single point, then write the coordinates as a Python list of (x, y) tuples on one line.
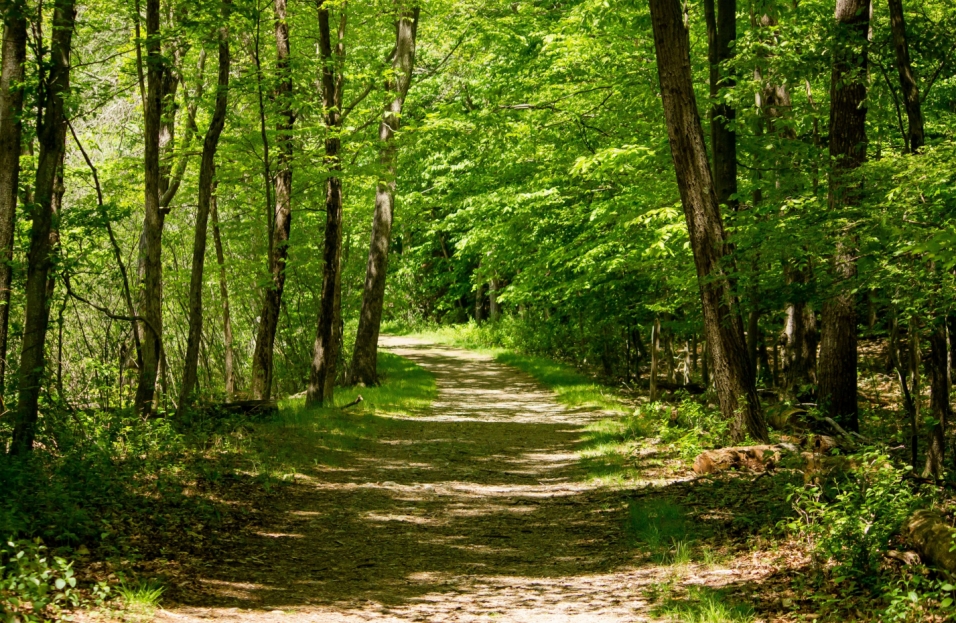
[(478, 510)]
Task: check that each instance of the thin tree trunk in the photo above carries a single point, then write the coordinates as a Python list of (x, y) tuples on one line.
[(721, 34), (326, 349), (493, 309), (207, 173), (838, 344), (722, 322), (937, 368), (11, 130), (365, 355), (655, 354), (914, 111), (150, 250), (224, 295), (282, 220), (52, 137)]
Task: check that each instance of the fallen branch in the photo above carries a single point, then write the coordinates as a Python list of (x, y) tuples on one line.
[(354, 402)]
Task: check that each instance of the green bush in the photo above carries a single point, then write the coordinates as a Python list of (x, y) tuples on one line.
[(848, 524), (34, 586), (690, 427)]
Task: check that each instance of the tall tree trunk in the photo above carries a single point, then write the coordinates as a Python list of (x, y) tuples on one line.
[(722, 322), (207, 173), (51, 134), (282, 219), (838, 344), (11, 129), (229, 362), (721, 34), (799, 335), (937, 368), (365, 355), (151, 292), (327, 343), (493, 309), (655, 355), (914, 111)]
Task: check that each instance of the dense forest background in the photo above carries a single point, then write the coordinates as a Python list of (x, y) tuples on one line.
[(535, 185)]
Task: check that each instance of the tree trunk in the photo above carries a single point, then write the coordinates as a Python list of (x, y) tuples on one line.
[(493, 310), (282, 220), (51, 134), (838, 344), (655, 355), (150, 250), (721, 34), (365, 355), (326, 350), (914, 111), (11, 129), (799, 338), (207, 173), (722, 322), (937, 368), (224, 295)]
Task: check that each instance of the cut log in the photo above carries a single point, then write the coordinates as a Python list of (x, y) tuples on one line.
[(757, 458), (932, 537)]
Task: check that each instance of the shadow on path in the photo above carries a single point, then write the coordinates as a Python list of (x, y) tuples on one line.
[(476, 507)]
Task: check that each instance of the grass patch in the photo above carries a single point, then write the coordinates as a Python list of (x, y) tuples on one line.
[(140, 599), (704, 605), (661, 526)]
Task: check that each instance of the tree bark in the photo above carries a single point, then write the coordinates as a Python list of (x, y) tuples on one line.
[(914, 111), (799, 337), (229, 363), (838, 344), (655, 354), (327, 343), (11, 130), (937, 368), (150, 249), (282, 219), (721, 34), (207, 173), (733, 374), (51, 135), (365, 355)]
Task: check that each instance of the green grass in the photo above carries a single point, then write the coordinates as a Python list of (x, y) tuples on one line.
[(704, 605), (661, 526), (140, 599)]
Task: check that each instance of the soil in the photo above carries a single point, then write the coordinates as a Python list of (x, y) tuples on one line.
[(477, 509)]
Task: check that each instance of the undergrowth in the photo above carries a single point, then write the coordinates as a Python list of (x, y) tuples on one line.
[(113, 486)]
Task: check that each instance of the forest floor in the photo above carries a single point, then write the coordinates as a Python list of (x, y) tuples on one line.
[(484, 507)]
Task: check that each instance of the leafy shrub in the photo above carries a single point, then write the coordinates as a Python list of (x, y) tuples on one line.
[(848, 525), (690, 427), (34, 586)]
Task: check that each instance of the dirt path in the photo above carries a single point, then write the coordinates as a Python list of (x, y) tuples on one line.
[(478, 510)]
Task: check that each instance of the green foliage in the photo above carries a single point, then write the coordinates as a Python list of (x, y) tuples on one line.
[(849, 524), (34, 585), (140, 598), (661, 525), (704, 605), (690, 427)]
